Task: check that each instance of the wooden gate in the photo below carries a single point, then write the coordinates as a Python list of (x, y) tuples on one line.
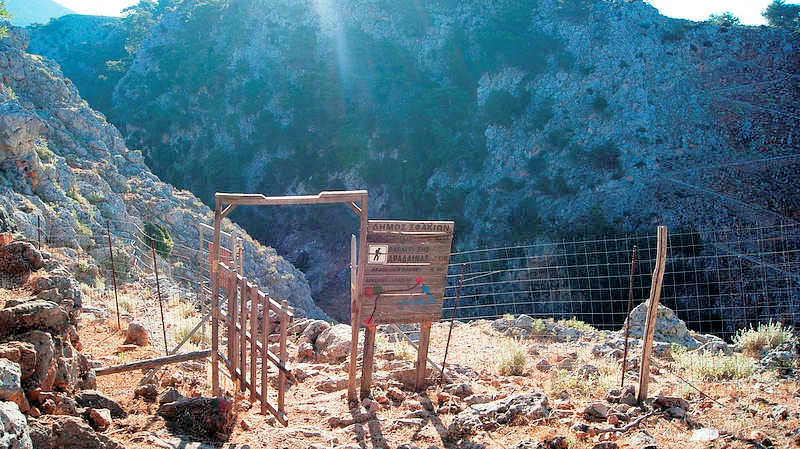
[(248, 356)]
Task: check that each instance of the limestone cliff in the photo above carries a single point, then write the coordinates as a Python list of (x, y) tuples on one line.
[(63, 162)]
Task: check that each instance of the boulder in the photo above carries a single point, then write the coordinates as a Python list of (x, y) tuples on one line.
[(95, 399), (17, 261), (669, 328), (148, 392), (171, 394), (100, 418), (14, 432), (67, 432), (36, 314), (333, 344), (313, 329), (305, 351), (43, 374), (201, 417), (136, 335), (11, 384), (494, 414)]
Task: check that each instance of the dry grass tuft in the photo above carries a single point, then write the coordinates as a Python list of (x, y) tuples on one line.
[(755, 341), (512, 358), (715, 367)]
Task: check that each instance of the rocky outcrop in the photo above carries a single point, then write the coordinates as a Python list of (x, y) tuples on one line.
[(67, 432), (489, 416), (201, 417), (669, 328), (14, 431), (64, 163)]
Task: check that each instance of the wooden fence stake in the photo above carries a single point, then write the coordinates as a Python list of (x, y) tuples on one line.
[(354, 321), (214, 275), (422, 354), (368, 359), (113, 272), (265, 329), (253, 339), (243, 333), (652, 313), (283, 356)]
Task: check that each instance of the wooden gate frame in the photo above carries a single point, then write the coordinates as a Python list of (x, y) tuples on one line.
[(357, 200), (237, 290)]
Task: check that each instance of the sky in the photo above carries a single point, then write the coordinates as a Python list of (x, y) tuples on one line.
[(748, 11)]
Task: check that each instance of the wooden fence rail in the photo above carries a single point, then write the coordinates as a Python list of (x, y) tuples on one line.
[(248, 324)]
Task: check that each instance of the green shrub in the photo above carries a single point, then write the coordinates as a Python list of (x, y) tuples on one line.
[(605, 156), (574, 323), (781, 15), (766, 336), (726, 19), (159, 238), (675, 32), (599, 104), (575, 10), (502, 107), (95, 198), (541, 114)]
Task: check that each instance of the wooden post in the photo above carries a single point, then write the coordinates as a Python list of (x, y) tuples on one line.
[(354, 320), (253, 338), (152, 363), (283, 355), (214, 274), (368, 360), (422, 354), (652, 313), (232, 320), (113, 272), (265, 329), (243, 332)]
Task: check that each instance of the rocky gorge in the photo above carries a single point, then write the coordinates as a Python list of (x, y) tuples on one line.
[(522, 121)]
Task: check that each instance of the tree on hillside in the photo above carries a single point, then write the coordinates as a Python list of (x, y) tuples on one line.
[(4, 16), (782, 15), (726, 19)]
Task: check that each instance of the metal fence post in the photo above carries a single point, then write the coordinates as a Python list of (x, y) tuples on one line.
[(113, 273)]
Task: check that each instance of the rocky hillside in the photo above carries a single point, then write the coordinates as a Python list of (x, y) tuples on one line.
[(520, 120), (63, 162)]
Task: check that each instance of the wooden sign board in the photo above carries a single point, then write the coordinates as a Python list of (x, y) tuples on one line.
[(405, 271)]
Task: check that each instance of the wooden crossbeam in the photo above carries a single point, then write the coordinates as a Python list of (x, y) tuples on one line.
[(152, 363)]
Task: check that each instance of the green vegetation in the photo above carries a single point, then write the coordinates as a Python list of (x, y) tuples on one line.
[(715, 367), (599, 104), (159, 238), (766, 336), (782, 15), (502, 107), (726, 19), (676, 31), (574, 323), (4, 16), (512, 358), (574, 10)]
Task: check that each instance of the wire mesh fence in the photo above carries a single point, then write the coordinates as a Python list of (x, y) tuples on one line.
[(717, 280)]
